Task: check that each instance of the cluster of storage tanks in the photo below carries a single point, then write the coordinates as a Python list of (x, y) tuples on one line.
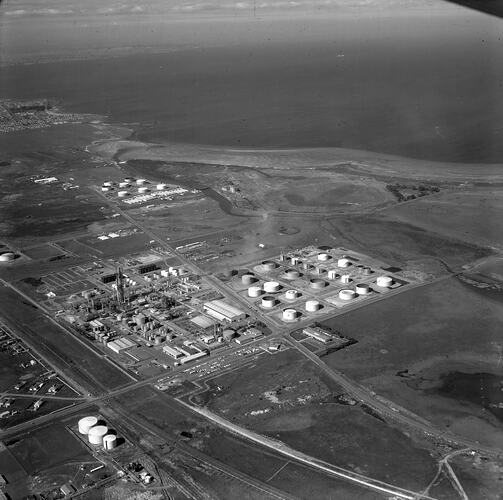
[(97, 434)]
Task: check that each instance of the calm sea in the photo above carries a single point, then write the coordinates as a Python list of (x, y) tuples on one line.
[(422, 87)]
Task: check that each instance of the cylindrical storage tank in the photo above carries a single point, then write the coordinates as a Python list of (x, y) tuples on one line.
[(332, 274), (254, 291), (124, 184), (271, 286), (86, 423), (362, 289), (108, 183), (129, 179), (318, 270), (306, 266), (7, 256), (367, 271), (323, 257), (228, 334), (384, 281), (143, 190), (157, 340), (110, 441), (140, 182), (97, 433), (345, 279), (122, 194), (347, 294), (343, 262), (289, 314), (282, 258), (268, 302), (291, 294), (105, 188), (160, 187), (291, 274), (294, 261), (269, 265), (248, 279), (312, 305), (317, 283)]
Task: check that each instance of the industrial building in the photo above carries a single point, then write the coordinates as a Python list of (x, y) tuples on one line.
[(248, 336), (222, 311), (318, 334), (203, 322), (120, 345)]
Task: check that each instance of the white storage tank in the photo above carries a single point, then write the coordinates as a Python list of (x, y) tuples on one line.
[(105, 188), (97, 433), (160, 187), (269, 265), (362, 289), (289, 314), (384, 281), (317, 283), (343, 262), (332, 274), (122, 194), (271, 286), (292, 274), (86, 423), (313, 306), (347, 294), (110, 442), (143, 190), (294, 261), (291, 294), (7, 257), (323, 257), (140, 182), (108, 183), (124, 184), (248, 279), (254, 291), (268, 302), (345, 279)]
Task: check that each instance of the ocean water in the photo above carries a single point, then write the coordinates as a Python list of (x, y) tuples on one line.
[(428, 87)]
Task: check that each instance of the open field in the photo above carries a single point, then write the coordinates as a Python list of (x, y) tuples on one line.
[(449, 327), (284, 397)]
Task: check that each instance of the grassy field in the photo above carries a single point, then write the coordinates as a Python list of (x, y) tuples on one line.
[(448, 326)]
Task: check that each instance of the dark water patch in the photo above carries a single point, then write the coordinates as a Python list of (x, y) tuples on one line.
[(482, 389)]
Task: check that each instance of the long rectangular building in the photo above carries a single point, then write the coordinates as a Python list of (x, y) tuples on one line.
[(222, 311)]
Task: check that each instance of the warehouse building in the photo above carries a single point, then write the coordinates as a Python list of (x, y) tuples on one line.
[(120, 345), (203, 322), (318, 334), (222, 311)]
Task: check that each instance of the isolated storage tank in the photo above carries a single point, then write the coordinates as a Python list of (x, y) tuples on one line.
[(332, 274), (323, 257), (143, 190), (343, 262), (362, 288), (317, 283), (291, 274), (248, 279), (345, 279), (312, 306), (97, 433), (228, 334), (268, 301), (85, 424), (110, 441), (289, 314), (347, 294), (7, 256), (269, 265), (271, 286), (254, 291), (384, 281), (291, 294), (122, 194)]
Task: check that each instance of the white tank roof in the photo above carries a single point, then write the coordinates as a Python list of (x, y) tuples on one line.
[(86, 423)]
